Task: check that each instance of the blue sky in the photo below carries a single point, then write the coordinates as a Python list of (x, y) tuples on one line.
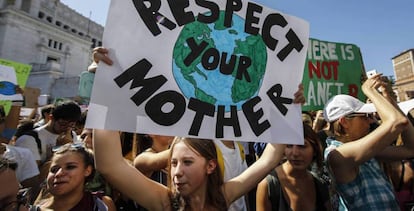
[(381, 29)]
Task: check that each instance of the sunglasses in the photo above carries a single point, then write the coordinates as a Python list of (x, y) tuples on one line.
[(6, 163), (69, 146), (366, 115)]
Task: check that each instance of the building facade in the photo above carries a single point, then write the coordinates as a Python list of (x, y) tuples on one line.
[(403, 65), (56, 40)]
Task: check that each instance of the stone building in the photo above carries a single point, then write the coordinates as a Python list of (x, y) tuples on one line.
[(403, 65), (56, 40)]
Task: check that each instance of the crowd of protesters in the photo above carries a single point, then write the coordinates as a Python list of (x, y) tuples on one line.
[(355, 157)]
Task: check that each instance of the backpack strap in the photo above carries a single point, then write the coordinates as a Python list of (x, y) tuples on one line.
[(241, 150), (35, 135), (99, 203), (220, 160), (273, 188)]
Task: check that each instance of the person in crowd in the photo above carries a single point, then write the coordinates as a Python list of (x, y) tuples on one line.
[(291, 186), (195, 184), (56, 132), (153, 161), (322, 128), (45, 112), (221, 200), (72, 165), (231, 154), (86, 138), (351, 154), (11, 196), (80, 124), (3, 125), (27, 172), (11, 120), (307, 117), (401, 174)]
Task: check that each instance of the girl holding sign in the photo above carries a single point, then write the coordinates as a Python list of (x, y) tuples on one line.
[(195, 181)]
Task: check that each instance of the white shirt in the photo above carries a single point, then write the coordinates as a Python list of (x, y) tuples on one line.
[(233, 166), (26, 164), (47, 140)]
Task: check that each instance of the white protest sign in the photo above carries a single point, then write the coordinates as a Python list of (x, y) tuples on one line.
[(8, 83), (208, 69)]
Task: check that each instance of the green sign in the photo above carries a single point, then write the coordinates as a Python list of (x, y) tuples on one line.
[(331, 69)]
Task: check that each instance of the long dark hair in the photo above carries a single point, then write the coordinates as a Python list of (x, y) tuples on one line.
[(315, 142), (214, 196)]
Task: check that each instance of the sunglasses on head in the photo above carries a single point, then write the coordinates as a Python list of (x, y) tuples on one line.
[(68, 146)]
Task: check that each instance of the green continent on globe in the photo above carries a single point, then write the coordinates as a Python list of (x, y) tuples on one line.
[(255, 48), (200, 32)]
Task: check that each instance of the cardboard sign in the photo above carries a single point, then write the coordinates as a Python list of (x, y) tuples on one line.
[(331, 69), (207, 69)]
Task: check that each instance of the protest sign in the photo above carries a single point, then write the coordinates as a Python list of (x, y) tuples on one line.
[(12, 74), (331, 68), (221, 70)]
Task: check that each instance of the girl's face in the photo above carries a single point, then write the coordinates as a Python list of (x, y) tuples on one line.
[(300, 156), (189, 170), (67, 174), (86, 138)]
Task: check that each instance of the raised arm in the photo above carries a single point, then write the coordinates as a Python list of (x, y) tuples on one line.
[(243, 183), (148, 162), (352, 154), (123, 176), (394, 153)]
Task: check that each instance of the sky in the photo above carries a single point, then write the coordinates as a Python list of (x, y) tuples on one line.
[(381, 29)]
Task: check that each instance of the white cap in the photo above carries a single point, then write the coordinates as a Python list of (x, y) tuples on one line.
[(342, 105)]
